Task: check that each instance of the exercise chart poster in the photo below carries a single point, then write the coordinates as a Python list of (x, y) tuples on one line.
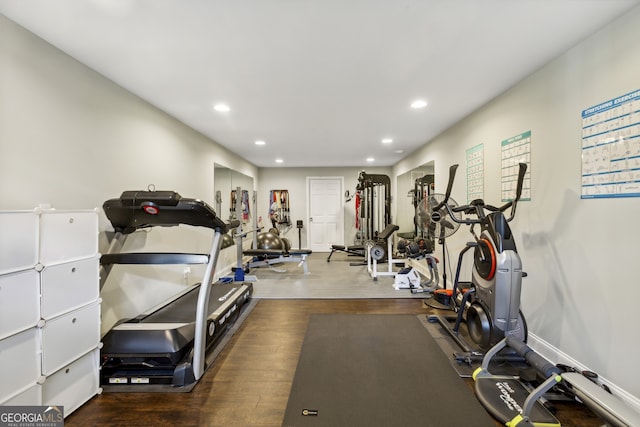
[(516, 150), (611, 148), (475, 173)]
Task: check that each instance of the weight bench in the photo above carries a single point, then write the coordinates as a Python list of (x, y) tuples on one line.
[(376, 253), (268, 257), (511, 403), (355, 250)]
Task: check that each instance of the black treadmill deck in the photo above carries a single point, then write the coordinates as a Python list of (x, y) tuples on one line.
[(150, 349)]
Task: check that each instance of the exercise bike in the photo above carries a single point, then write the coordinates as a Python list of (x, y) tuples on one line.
[(490, 303), (409, 277)]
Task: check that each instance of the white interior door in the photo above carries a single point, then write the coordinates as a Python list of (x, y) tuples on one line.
[(326, 213)]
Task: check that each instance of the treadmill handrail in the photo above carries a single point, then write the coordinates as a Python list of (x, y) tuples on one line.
[(200, 338), (154, 258)]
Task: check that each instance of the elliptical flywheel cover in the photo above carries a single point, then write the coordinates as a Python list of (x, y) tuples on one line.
[(479, 326), (485, 259)]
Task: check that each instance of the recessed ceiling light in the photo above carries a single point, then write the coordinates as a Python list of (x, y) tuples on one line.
[(399, 151), (387, 141), (279, 160), (260, 142), (370, 159), (222, 108), (419, 103)]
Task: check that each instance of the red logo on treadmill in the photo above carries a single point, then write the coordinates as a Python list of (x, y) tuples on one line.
[(150, 208)]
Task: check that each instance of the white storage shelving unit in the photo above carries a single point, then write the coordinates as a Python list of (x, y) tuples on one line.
[(49, 308)]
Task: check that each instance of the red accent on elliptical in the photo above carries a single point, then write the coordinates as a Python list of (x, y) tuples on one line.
[(492, 252)]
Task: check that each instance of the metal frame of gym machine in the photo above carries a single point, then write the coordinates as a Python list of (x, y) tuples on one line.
[(143, 209), (369, 215), (494, 298)]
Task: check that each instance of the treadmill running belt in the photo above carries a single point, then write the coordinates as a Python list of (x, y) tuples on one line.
[(183, 309), (153, 346)]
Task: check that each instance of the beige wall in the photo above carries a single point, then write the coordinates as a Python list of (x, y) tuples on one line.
[(72, 138)]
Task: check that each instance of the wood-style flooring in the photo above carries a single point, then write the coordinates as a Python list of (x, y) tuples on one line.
[(249, 383)]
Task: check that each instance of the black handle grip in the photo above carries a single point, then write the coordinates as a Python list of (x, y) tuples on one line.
[(452, 176), (541, 364), (512, 204), (521, 173), (463, 208)]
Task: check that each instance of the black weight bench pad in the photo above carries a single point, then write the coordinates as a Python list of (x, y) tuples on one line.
[(275, 253), (299, 252), (388, 231), (350, 248)]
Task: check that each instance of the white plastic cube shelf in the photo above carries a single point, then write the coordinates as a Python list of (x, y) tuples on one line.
[(18, 240), (49, 307), (19, 362), (32, 396), (67, 235), (19, 302), (69, 286), (74, 384), (69, 336)]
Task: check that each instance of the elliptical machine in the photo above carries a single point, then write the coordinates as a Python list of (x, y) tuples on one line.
[(491, 303)]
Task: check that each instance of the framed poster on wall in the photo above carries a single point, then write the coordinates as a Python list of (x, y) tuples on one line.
[(515, 150), (611, 148), (475, 173)]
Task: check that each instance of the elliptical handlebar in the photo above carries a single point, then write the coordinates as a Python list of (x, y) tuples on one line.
[(452, 175), (478, 207), (521, 173)]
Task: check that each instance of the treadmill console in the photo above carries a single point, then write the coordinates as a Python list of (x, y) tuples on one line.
[(141, 209)]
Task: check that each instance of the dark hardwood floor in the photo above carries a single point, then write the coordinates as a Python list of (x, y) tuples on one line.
[(249, 383)]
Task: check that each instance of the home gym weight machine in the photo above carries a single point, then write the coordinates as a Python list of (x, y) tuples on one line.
[(422, 188), (491, 303), (373, 213), (421, 247)]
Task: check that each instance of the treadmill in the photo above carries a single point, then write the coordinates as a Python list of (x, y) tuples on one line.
[(169, 347)]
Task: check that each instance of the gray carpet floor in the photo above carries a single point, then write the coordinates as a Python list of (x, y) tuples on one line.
[(326, 280)]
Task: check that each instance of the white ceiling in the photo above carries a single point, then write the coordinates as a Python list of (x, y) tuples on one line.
[(324, 81)]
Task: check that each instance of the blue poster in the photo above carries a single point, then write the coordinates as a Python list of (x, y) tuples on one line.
[(611, 148)]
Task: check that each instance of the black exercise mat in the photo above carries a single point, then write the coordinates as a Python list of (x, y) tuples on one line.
[(377, 370)]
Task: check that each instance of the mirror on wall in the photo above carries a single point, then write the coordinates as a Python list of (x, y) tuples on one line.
[(412, 185), (226, 181)]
